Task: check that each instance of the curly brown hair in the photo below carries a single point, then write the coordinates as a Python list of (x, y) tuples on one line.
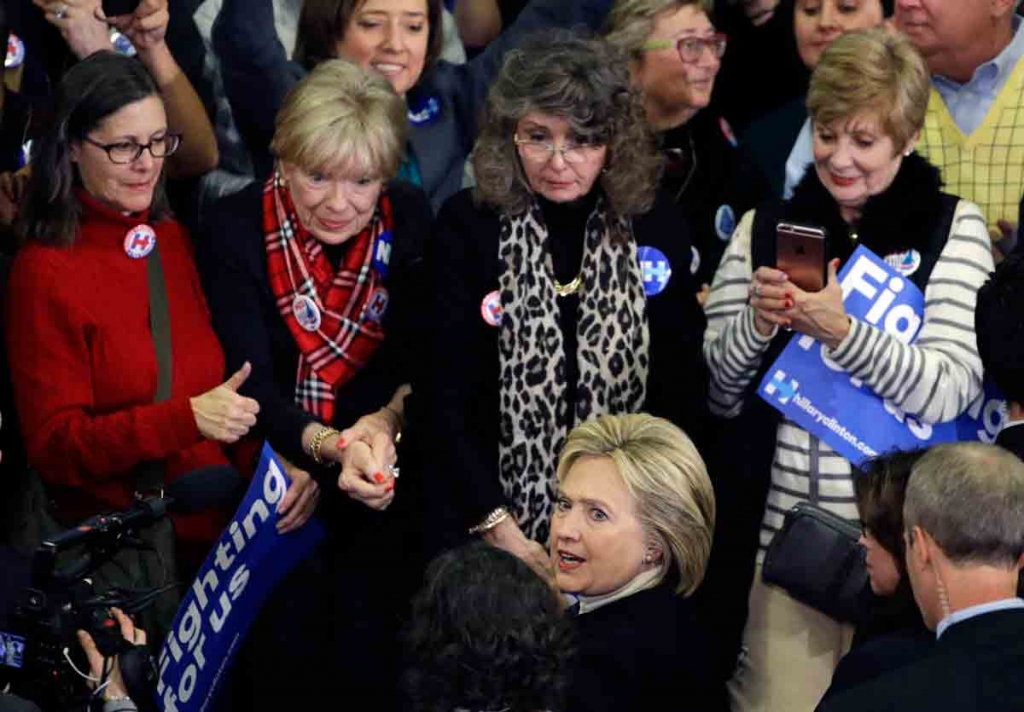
[(584, 80), (486, 633)]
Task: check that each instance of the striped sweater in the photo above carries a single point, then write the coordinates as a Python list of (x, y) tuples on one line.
[(934, 380)]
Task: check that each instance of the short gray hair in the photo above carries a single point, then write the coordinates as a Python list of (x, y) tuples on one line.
[(969, 497), (667, 479)]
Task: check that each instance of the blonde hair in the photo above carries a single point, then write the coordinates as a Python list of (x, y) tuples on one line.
[(631, 22), (874, 70), (341, 115), (667, 479)]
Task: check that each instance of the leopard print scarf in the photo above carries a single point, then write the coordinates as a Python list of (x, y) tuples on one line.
[(612, 351)]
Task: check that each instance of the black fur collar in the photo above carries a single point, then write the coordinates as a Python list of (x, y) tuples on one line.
[(902, 218)]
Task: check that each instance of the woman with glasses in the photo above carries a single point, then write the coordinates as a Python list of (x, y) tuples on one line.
[(550, 304), (674, 57), (83, 291), (399, 39)]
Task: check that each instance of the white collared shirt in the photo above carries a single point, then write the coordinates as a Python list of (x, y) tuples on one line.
[(974, 611), (800, 159), (640, 582), (969, 103)]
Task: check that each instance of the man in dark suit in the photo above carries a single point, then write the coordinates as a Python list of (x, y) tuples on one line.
[(964, 528), (1000, 332)]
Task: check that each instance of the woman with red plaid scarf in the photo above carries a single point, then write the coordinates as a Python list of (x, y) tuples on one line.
[(310, 278)]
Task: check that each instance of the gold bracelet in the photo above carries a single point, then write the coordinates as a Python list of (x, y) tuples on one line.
[(317, 440), (490, 521)]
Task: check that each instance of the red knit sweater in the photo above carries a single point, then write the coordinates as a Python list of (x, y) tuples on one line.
[(84, 367)]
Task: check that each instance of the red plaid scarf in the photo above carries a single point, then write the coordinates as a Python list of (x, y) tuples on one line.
[(345, 340)]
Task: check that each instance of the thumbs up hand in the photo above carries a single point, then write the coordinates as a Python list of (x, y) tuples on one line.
[(222, 414)]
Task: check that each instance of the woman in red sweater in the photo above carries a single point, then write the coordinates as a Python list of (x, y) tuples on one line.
[(82, 356)]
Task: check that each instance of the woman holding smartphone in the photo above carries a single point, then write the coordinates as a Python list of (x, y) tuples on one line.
[(867, 102)]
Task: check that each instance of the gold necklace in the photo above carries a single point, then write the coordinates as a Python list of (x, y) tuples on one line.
[(564, 290)]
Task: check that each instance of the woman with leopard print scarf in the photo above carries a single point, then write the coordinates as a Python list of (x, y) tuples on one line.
[(558, 294)]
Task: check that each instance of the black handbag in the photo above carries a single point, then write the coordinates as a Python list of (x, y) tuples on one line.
[(817, 559)]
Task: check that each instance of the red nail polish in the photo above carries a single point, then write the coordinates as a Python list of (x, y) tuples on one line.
[(378, 478), (390, 487), (789, 304), (341, 444)]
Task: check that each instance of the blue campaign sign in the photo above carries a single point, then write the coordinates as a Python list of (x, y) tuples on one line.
[(816, 394), (985, 418), (242, 568)]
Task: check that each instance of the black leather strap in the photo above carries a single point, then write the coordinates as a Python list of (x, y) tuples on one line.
[(151, 474)]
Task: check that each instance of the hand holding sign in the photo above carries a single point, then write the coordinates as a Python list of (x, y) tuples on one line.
[(299, 501), (817, 394), (820, 315)]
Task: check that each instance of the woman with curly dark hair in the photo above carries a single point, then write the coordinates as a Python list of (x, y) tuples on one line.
[(486, 634), (553, 301)]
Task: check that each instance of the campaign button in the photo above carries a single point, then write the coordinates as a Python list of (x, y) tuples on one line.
[(656, 269), (25, 155), (378, 305), (306, 312), (139, 241), (906, 263), (425, 112), (727, 132), (122, 45), (15, 52), (725, 222), (491, 309), (382, 253)]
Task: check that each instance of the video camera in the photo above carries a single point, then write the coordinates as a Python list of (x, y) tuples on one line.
[(41, 659)]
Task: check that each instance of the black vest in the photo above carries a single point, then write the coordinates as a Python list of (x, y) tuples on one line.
[(745, 446)]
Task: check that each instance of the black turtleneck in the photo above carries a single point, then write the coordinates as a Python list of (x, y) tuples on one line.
[(335, 253), (566, 224)]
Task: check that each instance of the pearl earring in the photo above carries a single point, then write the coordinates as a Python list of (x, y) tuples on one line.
[(648, 559)]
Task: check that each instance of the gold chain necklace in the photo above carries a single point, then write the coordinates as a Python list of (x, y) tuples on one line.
[(564, 290)]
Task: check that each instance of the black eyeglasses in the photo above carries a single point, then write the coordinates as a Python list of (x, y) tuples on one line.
[(123, 152)]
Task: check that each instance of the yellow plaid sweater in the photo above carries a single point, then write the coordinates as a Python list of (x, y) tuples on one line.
[(987, 167)]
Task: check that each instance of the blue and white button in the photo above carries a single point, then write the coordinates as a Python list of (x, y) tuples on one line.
[(425, 112), (382, 253), (725, 222), (377, 306), (906, 263), (656, 269)]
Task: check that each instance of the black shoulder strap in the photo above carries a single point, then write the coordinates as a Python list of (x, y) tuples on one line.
[(159, 323), (762, 235), (151, 475)]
